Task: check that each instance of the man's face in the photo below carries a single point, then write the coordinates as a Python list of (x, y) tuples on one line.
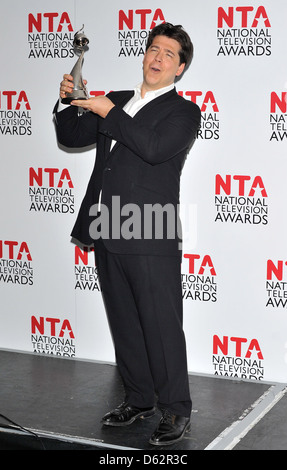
[(161, 63)]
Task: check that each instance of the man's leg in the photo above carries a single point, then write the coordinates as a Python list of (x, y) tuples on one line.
[(156, 285), (129, 341)]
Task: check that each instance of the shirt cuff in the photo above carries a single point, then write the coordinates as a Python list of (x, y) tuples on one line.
[(61, 106)]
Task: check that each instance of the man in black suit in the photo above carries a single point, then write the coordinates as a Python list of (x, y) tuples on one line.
[(142, 139)]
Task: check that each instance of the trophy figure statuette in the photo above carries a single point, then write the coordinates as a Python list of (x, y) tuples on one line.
[(79, 91)]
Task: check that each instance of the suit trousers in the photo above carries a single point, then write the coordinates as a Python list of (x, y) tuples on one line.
[(143, 300)]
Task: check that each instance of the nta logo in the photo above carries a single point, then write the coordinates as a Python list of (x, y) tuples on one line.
[(49, 22), (246, 16), (144, 18), (243, 30)]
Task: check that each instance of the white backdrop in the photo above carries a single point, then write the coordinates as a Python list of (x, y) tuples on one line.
[(233, 184)]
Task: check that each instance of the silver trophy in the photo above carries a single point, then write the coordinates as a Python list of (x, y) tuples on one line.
[(79, 91)]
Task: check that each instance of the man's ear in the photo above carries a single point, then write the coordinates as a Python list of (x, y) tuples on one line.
[(180, 70)]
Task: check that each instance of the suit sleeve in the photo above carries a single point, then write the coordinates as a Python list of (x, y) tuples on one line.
[(74, 130), (154, 144)]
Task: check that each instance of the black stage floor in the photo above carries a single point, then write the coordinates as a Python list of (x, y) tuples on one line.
[(49, 403)]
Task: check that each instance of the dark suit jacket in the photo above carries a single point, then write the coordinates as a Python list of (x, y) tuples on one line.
[(143, 168)]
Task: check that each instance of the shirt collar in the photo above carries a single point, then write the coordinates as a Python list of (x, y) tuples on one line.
[(152, 93)]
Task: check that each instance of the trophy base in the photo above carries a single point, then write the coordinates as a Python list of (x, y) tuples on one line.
[(68, 99), (78, 94)]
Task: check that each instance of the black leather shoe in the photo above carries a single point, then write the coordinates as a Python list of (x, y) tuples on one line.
[(171, 429), (126, 414)]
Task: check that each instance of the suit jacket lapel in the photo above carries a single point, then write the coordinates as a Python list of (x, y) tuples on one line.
[(122, 102), (153, 103), (139, 115)]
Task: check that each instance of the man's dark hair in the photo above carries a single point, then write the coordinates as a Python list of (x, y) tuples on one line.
[(174, 32)]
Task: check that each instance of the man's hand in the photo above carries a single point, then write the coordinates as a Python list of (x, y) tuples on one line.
[(99, 105), (66, 85)]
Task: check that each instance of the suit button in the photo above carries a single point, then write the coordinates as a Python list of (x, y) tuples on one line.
[(107, 169), (107, 133)]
